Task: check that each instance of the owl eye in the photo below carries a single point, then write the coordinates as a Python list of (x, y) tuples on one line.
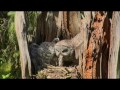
[(65, 50)]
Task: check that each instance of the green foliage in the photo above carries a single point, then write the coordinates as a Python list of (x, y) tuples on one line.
[(9, 50), (6, 76), (5, 70), (32, 19)]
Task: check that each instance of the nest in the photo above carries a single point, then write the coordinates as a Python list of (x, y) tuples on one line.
[(55, 72)]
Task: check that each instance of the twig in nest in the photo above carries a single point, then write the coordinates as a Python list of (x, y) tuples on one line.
[(67, 70), (78, 73)]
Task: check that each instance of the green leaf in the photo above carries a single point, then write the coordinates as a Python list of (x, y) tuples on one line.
[(6, 76), (11, 13)]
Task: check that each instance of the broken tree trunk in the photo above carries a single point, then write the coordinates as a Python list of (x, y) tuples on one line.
[(84, 27), (62, 24), (21, 29), (47, 26), (97, 47)]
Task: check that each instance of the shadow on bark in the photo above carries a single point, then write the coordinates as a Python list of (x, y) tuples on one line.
[(118, 64)]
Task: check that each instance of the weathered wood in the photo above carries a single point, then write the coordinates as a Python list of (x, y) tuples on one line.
[(84, 26), (21, 29), (96, 42), (62, 24), (113, 63), (47, 27), (74, 23)]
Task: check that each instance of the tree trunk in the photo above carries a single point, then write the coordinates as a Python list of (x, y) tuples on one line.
[(21, 29), (62, 24), (85, 25), (46, 26), (95, 59), (114, 55)]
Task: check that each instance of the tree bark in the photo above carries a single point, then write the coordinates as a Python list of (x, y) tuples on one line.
[(114, 58), (97, 51), (21, 33), (62, 24), (46, 27)]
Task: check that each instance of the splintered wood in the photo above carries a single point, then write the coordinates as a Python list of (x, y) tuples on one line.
[(96, 42)]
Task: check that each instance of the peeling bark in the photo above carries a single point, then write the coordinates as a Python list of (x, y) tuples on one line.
[(95, 45)]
